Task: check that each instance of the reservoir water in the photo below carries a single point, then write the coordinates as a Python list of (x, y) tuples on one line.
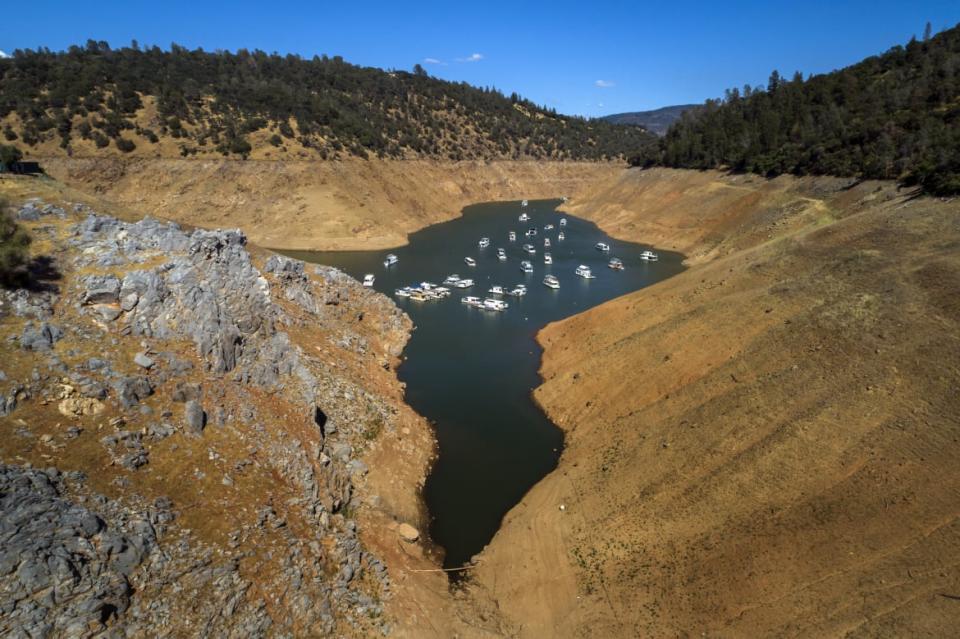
[(471, 371)]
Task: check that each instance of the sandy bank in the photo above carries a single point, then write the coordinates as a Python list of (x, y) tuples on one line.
[(344, 205)]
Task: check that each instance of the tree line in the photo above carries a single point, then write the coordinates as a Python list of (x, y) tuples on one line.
[(891, 116), (216, 100)]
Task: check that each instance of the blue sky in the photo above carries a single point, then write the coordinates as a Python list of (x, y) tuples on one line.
[(578, 57)]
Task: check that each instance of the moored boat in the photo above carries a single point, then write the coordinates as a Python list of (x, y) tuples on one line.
[(368, 280), (649, 256), (560, 236), (546, 242), (464, 283), (551, 281), (491, 304), (452, 279), (584, 271), (547, 258), (526, 267), (470, 300), (615, 263), (563, 221), (600, 246), (501, 254), (513, 236), (523, 217), (484, 242), (390, 260), (496, 290), (469, 261)]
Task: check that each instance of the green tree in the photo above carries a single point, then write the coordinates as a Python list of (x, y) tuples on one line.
[(9, 154)]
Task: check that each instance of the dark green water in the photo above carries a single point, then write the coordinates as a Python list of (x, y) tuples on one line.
[(471, 372)]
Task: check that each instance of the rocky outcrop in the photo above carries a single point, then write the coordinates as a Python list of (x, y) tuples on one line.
[(192, 359)]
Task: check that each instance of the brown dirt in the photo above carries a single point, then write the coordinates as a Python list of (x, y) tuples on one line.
[(315, 205), (763, 445)]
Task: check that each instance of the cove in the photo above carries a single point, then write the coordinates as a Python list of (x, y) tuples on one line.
[(472, 371)]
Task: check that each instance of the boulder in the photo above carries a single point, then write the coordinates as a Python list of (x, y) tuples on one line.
[(143, 361), (408, 533), (40, 338), (194, 417), (101, 289)]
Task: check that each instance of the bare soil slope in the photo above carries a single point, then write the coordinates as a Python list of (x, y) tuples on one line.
[(351, 204), (764, 445)]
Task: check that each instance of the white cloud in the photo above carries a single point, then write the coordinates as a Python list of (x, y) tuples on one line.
[(473, 57), (3, 55), (604, 84), (433, 61)]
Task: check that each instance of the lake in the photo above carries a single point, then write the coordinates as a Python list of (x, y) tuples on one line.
[(471, 371)]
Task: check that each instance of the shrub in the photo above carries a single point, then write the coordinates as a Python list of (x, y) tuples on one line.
[(14, 243), (125, 145)]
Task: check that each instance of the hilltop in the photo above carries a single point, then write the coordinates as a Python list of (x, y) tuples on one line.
[(95, 100), (656, 121), (894, 116)]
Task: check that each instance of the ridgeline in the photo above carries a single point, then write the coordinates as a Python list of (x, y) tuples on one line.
[(95, 100)]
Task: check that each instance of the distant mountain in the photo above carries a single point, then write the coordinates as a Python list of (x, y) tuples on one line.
[(95, 100), (656, 121)]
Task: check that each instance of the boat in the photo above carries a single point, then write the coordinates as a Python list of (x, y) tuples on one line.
[(615, 263), (649, 256), (452, 279), (491, 304), (501, 254), (484, 242), (546, 242), (551, 281), (526, 267), (418, 296), (471, 301), (469, 261), (442, 291), (464, 283), (560, 236), (524, 203), (600, 246), (531, 231), (563, 221), (517, 291), (548, 227), (513, 236), (521, 286), (368, 280), (547, 258), (529, 248), (402, 292), (523, 217), (496, 290), (390, 260), (584, 271)]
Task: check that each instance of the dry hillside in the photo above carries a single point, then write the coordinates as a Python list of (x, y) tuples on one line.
[(352, 204), (764, 445)]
